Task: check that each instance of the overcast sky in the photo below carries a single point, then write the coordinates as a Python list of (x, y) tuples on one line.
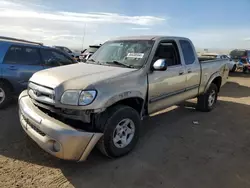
[(210, 24)]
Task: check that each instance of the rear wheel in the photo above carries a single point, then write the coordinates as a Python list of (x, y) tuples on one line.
[(245, 70), (207, 101), (120, 126), (5, 94)]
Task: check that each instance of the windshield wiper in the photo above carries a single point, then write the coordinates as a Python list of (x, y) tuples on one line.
[(123, 64), (91, 60)]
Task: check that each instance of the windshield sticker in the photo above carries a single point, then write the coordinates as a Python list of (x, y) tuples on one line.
[(135, 55)]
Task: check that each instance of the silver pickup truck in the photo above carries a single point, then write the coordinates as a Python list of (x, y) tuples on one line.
[(70, 109)]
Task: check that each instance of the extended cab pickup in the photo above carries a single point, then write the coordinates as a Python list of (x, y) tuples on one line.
[(70, 109)]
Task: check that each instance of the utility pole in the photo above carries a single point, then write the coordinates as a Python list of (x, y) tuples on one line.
[(83, 37)]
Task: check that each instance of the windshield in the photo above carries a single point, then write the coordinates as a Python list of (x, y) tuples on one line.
[(67, 50), (91, 50), (131, 53), (63, 49), (238, 53)]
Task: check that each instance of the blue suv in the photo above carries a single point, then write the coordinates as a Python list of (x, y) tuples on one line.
[(20, 59)]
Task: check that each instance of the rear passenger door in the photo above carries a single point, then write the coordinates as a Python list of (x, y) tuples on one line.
[(55, 58), (192, 67), (20, 63)]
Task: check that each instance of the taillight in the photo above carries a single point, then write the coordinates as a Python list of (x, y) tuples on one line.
[(244, 57)]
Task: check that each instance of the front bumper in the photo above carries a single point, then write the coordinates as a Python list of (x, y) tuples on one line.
[(55, 137)]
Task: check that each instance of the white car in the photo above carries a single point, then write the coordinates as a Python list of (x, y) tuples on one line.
[(232, 65)]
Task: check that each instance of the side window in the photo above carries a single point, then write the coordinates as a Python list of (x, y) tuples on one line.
[(168, 51), (31, 56), (67, 50), (12, 53), (22, 56), (55, 58), (188, 52)]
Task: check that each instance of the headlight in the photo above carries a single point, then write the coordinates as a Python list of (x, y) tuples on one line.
[(70, 97), (87, 97), (76, 97)]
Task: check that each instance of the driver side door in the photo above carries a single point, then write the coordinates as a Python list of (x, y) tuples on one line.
[(167, 87)]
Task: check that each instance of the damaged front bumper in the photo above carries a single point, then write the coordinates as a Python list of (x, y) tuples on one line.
[(55, 137)]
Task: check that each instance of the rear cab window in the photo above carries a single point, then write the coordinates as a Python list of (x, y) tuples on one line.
[(22, 55), (187, 51)]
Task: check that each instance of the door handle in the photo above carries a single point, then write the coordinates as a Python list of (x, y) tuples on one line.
[(12, 68), (189, 71)]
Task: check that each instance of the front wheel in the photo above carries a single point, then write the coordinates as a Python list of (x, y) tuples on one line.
[(207, 101), (5, 95), (120, 129)]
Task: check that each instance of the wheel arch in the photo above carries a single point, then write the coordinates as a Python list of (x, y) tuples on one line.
[(215, 79), (3, 80), (134, 99), (136, 103)]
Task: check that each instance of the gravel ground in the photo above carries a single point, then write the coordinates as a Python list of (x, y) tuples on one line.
[(179, 148)]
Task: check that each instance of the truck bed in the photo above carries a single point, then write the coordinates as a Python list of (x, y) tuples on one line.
[(209, 67), (204, 59)]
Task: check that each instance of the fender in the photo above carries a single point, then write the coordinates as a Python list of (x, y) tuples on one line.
[(124, 95), (211, 79)]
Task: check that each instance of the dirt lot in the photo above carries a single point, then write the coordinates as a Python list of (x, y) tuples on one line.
[(173, 151)]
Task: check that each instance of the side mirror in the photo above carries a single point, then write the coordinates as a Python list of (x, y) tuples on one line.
[(160, 65)]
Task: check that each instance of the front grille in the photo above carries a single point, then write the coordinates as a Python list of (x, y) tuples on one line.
[(41, 93)]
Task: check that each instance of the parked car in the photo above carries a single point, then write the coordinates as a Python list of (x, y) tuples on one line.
[(242, 58), (86, 54), (231, 64), (104, 100), (19, 60), (73, 54)]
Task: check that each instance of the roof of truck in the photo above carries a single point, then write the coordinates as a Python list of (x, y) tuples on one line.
[(147, 37)]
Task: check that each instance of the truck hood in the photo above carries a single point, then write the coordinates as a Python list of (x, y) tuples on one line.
[(77, 76)]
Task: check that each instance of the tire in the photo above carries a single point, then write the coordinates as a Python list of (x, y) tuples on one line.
[(109, 122), (5, 95), (234, 68), (205, 103), (245, 70)]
